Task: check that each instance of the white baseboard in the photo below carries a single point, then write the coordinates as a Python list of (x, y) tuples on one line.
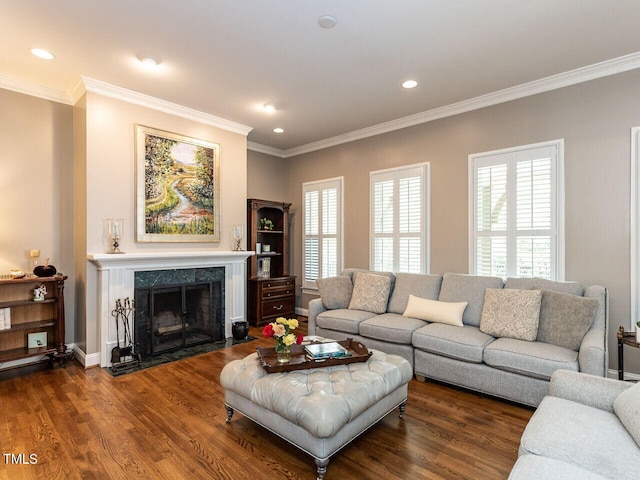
[(627, 375), (87, 361), (302, 311)]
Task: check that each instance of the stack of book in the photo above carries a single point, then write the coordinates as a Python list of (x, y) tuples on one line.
[(321, 351), (5, 318)]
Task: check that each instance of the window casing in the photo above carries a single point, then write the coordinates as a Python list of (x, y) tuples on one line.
[(322, 230), (516, 212), (399, 219)]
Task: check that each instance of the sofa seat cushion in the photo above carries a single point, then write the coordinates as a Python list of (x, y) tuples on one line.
[(534, 467), (457, 287), (461, 343), (533, 359), (588, 437), (391, 327), (342, 319)]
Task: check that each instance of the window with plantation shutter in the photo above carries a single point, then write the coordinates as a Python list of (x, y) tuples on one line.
[(516, 212), (322, 230), (399, 219)]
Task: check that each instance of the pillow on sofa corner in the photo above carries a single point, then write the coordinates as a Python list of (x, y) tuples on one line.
[(565, 319), (335, 291), (511, 313), (370, 292), (627, 407), (434, 311)]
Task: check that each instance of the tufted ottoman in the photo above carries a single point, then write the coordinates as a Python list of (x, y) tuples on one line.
[(318, 410)]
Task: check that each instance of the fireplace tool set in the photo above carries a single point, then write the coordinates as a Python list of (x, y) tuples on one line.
[(125, 357)]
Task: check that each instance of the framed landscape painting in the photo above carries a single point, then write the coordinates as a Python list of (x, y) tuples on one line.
[(177, 188)]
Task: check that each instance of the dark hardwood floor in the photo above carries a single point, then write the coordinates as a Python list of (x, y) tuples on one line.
[(168, 422)]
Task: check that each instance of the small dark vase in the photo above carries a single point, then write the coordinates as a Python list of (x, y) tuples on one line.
[(240, 330)]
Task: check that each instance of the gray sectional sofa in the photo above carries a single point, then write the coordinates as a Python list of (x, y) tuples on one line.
[(489, 349), (588, 428)]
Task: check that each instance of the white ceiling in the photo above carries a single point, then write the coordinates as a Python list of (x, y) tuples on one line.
[(226, 57)]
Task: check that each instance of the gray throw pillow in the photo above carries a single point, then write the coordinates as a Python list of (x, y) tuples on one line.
[(565, 319), (511, 313), (627, 408), (370, 292), (335, 291)]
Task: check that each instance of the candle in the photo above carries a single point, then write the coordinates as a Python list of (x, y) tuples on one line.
[(116, 228)]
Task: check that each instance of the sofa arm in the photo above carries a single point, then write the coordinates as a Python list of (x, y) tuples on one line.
[(592, 356), (315, 307), (590, 390)]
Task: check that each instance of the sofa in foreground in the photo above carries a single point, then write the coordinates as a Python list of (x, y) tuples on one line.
[(588, 428), (502, 338)]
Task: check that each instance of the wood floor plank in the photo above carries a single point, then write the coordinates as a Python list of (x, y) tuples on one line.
[(168, 422)]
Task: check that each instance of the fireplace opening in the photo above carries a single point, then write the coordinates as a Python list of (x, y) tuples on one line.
[(172, 317)]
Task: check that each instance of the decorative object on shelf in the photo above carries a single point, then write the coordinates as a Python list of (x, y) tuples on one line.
[(266, 248), (39, 293), (37, 340), (177, 188), (258, 248), (34, 254), (16, 273), (238, 236), (265, 224), (240, 330), (281, 330), (115, 233), (264, 268), (45, 270)]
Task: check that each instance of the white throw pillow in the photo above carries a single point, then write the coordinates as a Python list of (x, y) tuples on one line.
[(435, 311), (370, 292)]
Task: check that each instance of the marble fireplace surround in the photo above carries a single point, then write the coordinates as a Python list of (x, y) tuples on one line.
[(116, 279)]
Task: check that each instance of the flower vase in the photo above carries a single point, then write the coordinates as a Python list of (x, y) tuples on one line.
[(284, 355)]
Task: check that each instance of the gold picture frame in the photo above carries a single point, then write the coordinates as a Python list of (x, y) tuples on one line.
[(177, 187)]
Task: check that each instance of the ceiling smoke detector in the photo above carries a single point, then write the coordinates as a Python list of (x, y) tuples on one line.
[(327, 21)]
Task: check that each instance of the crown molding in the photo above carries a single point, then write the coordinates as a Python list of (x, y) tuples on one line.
[(554, 82), (34, 89), (258, 147), (129, 96)]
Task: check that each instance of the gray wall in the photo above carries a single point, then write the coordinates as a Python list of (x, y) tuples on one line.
[(593, 118)]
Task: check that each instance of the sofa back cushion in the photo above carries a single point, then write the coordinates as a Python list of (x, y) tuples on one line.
[(370, 292), (511, 313), (573, 288), (627, 407), (335, 291), (565, 319), (418, 285), (457, 287)]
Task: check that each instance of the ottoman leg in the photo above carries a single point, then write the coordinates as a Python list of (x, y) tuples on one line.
[(402, 407), (322, 467), (229, 413)]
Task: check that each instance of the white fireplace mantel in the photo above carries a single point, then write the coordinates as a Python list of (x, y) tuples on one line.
[(116, 276)]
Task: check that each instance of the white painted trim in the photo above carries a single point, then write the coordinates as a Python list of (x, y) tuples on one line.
[(302, 311), (627, 376), (129, 96), (635, 233), (257, 147), (34, 89), (572, 77)]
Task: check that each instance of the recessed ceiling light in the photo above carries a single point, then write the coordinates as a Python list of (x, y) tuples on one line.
[(327, 21), (40, 53), (409, 84), (149, 62), (278, 130)]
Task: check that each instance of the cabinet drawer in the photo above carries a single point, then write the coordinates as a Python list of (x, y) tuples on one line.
[(278, 283), (278, 307), (277, 292)]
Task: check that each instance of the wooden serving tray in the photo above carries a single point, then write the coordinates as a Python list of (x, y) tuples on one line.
[(299, 361)]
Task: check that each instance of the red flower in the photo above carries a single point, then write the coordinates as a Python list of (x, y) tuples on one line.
[(267, 331), (299, 339)]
